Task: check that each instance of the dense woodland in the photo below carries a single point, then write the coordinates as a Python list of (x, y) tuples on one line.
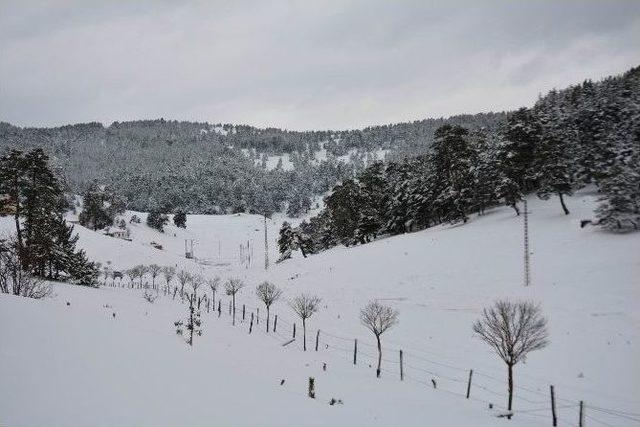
[(586, 135), (204, 168), (434, 171)]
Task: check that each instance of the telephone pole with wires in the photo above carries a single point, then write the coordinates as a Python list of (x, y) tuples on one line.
[(266, 245), (527, 255)]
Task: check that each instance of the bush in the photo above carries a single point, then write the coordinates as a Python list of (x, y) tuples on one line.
[(180, 219), (157, 220)]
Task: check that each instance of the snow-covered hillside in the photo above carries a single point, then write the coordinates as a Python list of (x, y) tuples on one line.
[(78, 365)]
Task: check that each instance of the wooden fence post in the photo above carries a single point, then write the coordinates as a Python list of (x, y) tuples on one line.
[(258, 316), (554, 419), (317, 339), (251, 324), (355, 351), (312, 388), (275, 323), (243, 308), (294, 330), (401, 367), (219, 308), (581, 419), (469, 383)]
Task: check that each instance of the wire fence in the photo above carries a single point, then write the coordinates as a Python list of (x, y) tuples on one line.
[(419, 367)]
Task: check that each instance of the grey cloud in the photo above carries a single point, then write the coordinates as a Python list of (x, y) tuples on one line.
[(300, 65)]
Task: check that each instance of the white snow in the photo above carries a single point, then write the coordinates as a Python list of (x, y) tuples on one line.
[(77, 365)]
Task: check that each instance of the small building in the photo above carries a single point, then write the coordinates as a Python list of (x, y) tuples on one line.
[(119, 233)]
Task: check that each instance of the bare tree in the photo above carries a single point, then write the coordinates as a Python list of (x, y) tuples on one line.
[(513, 330), (106, 273), (305, 306), (168, 273), (268, 294), (183, 277), (231, 287), (213, 285), (196, 281), (378, 319), (138, 271), (15, 278), (131, 274), (154, 271)]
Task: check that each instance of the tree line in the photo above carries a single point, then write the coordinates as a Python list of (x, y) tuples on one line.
[(43, 245), (511, 329), (588, 135)]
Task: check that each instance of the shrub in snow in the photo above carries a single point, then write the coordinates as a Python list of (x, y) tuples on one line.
[(15, 278)]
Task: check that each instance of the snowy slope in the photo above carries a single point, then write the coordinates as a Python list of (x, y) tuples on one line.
[(439, 279)]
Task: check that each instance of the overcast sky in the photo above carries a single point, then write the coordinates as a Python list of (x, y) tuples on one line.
[(300, 65)]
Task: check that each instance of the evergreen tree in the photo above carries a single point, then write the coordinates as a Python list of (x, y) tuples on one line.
[(343, 207), (100, 207), (12, 184), (48, 244), (451, 160), (398, 203), (486, 176), (180, 219), (285, 241), (373, 198), (515, 156), (157, 220), (44, 203), (554, 162), (299, 204)]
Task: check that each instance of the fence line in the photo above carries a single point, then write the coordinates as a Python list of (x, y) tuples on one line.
[(284, 333)]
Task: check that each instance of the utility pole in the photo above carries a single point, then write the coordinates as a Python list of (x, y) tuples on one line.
[(527, 261), (266, 246), (188, 253)]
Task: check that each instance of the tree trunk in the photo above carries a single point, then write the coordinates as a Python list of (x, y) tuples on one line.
[(379, 356), (233, 298), (510, 403), (564, 206), (304, 334), (16, 217), (191, 323), (515, 208), (267, 319)]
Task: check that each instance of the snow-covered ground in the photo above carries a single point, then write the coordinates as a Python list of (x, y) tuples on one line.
[(78, 365)]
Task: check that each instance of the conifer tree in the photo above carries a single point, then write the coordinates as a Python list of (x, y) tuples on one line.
[(180, 219), (515, 157), (451, 159)]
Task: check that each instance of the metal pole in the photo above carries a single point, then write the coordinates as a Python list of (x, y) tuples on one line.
[(527, 261), (266, 246)]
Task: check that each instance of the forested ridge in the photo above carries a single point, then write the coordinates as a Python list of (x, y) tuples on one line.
[(585, 135), (166, 165), (214, 168)]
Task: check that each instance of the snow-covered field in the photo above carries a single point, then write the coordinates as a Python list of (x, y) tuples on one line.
[(78, 365)]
